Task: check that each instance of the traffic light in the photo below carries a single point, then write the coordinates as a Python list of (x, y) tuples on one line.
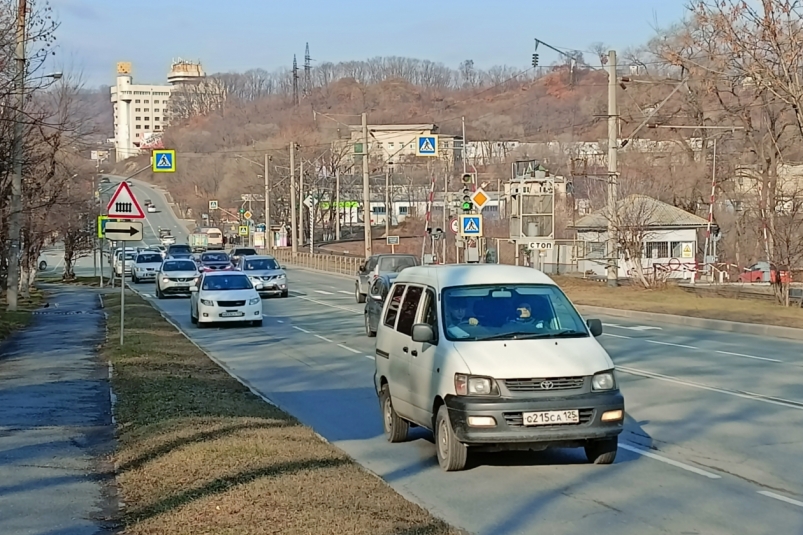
[(467, 205), (242, 210), (535, 60)]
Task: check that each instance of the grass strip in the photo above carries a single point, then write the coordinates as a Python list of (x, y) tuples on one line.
[(199, 453), (13, 321), (673, 300)]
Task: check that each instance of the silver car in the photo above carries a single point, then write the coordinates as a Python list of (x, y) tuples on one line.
[(377, 265), (175, 277), (265, 273), (146, 266)]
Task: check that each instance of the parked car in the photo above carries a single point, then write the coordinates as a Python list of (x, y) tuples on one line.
[(376, 301), (177, 251), (376, 265), (175, 277), (237, 252), (492, 357), (265, 273), (214, 261), (764, 272), (224, 296), (146, 266)]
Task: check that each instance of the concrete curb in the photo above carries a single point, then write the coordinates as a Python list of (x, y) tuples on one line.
[(758, 329)]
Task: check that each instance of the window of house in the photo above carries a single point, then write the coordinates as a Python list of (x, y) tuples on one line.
[(156, 127), (403, 210), (136, 101), (137, 135), (393, 306), (390, 144), (408, 310), (146, 102), (147, 110), (147, 127), (138, 127), (657, 249), (156, 102), (378, 209), (677, 249), (138, 109), (138, 118)]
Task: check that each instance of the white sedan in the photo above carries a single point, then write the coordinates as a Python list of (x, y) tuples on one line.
[(151, 209), (225, 296), (146, 266)]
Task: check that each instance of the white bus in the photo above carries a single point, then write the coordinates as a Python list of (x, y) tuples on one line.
[(214, 237)]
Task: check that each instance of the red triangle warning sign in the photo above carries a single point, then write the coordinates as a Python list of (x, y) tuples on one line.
[(124, 205)]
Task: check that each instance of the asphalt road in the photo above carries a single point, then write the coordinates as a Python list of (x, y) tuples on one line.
[(712, 441)]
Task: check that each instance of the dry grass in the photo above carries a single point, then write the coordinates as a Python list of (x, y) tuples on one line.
[(12, 321), (674, 300), (198, 453)]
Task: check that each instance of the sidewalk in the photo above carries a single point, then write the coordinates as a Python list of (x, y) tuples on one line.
[(55, 422)]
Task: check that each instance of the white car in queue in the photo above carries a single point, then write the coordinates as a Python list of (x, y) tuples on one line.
[(491, 357), (175, 277), (146, 266), (225, 296)]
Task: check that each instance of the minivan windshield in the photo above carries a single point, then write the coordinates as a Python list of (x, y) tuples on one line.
[(395, 263), (509, 312), (260, 264)]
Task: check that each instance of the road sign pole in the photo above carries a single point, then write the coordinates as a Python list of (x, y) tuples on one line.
[(122, 300)]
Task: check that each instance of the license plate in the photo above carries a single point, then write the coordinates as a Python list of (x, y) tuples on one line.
[(551, 417), (231, 314), (182, 284)]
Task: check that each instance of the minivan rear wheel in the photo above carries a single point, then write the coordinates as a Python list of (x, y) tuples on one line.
[(602, 451), (452, 454), (395, 428)]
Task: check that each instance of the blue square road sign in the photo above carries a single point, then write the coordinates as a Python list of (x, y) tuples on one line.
[(471, 225), (427, 145), (164, 161)]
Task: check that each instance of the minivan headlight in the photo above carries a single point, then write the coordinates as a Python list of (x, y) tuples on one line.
[(473, 385), (603, 381)]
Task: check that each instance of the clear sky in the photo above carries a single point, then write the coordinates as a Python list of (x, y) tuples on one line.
[(236, 35)]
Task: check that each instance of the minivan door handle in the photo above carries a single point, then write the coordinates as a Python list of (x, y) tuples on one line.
[(414, 353), (405, 349)]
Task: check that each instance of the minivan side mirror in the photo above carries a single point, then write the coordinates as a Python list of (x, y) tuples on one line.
[(595, 326), (361, 268), (422, 332)]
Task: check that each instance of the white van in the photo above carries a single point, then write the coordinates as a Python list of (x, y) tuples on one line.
[(493, 357)]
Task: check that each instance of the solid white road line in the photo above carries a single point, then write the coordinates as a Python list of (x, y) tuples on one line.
[(666, 460), (769, 494), (345, 292), (748, 356), (325, 339), (791, 404), (300, 329), (670, 344), (324, 292), (347, 348), (616, 335)]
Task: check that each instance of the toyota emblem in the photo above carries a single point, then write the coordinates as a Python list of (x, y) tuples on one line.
[(546, 385)]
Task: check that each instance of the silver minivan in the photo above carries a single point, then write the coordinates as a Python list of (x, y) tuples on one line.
[(491, 357)]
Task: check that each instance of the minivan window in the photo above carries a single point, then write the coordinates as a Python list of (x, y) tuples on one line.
[(430, 316), (509, 311), (408, 310), (393, 306)]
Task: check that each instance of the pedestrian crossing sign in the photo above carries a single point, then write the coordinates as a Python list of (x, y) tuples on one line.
[(164, 161), (471, 225), (427, 146)]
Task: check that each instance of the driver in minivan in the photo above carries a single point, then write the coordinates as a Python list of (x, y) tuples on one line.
[(458, 320)]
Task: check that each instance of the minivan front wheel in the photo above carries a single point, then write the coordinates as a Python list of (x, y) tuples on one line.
[(452, 454), (368, 332), (602, 451), (395, 428), (360, 297)]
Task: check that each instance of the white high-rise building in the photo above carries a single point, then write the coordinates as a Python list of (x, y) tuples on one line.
[(139, 110)]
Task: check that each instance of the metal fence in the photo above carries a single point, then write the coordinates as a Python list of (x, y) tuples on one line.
[(343, 265)]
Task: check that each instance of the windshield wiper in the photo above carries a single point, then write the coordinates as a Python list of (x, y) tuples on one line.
[(520, 335)]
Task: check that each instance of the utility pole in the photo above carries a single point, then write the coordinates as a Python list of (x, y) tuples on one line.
[(268, 232), (366, 187), (388, 211), (613, 135), (301, 201), (15, 217), (337, 203), (293, 234)]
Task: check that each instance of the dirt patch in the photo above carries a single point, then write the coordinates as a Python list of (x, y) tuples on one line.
[(673, 300), (12, 321), (199, 453)]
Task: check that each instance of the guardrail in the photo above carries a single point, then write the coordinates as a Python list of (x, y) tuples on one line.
[(342, 265)]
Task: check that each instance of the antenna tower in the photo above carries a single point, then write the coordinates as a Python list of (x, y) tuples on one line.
[(307, 71), (295, 80)]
